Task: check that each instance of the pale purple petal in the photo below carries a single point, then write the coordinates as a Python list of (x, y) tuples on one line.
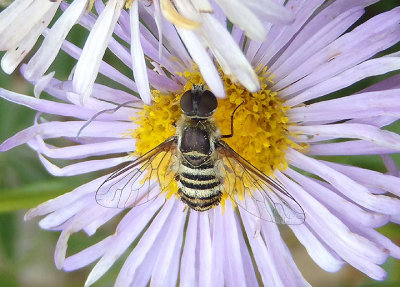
[(138, 255), (280, 35), (126, 232), (81, 167), (338, 205), (84, 150), (355, 249), (350, 49), (355, 106), (369, 177), (233, 261), (96, 223), (366, 69), (368, 133), (86, 256), (319, 39), (321, 254), (345, 185), (188, 261), (62, 109), (67, 129), (205, 250), (75, 224), (387, 84), (58, 217), (66, 199), (356, 147), (375, 236), (217, 271), (390, 165), (265, 264), (168, 255), (327, 13), (251, 279), (289, 273)]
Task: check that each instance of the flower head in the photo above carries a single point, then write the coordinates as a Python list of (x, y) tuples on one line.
[(279, 129)]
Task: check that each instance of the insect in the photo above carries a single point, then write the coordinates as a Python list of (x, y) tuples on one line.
[(202, 166)]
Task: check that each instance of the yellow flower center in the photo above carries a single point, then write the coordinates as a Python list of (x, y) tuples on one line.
[(260, 125)]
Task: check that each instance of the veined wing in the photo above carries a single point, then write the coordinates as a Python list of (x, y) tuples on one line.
[(138, 182), (255, 192)]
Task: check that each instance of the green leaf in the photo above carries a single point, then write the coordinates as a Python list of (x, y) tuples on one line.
[(32, 194)]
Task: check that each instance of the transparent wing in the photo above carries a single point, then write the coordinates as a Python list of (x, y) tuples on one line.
[(140, 181), (255, 192)]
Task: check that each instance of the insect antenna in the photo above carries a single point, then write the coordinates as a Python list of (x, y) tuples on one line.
[(113, 110), (233, 114)]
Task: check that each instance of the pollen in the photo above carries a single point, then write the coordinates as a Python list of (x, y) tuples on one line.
[(260, 123), (155, 123)]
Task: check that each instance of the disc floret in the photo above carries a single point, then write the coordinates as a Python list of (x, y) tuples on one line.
[(260, 132)]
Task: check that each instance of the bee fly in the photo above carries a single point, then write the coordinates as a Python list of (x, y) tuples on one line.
[(197, 135), (203, 166)]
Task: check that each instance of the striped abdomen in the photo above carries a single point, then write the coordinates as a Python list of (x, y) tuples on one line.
[(198, 185)]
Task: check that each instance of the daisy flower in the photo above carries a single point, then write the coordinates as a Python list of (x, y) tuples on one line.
[(25, 20), (281, 130)]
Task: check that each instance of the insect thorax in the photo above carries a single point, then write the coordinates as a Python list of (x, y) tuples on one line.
[(197, 137)]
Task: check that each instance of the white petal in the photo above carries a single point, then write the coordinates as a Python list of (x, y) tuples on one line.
[(92, 54), (202, 6), (17, 53), (233, 62), (48, 51), (239, 14), (139, 65), (201, 57), (42, 83), (17, 21), (271, 11)]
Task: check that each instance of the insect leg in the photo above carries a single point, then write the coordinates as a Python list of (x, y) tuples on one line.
[(113, 110), (231, 134)]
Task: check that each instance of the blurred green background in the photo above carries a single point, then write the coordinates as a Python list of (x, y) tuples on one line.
[(26, 251)]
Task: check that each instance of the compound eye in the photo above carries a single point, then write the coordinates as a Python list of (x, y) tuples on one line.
[(208, 104), (187, 102)]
